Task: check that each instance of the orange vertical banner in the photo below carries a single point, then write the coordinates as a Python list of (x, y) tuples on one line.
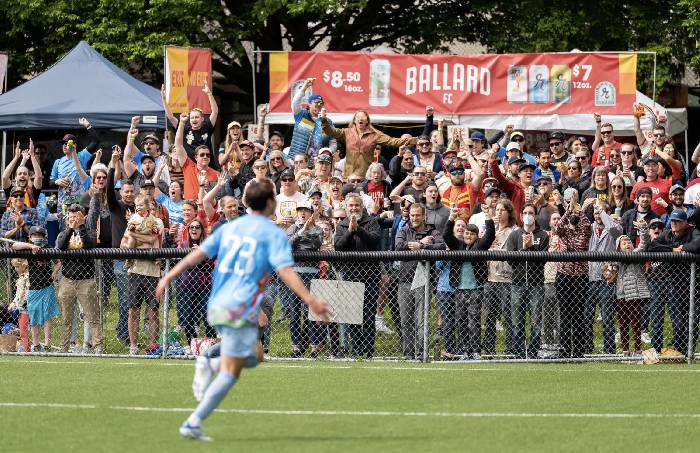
[(186, 71)]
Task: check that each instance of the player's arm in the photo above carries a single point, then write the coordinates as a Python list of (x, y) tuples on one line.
[(291, 278), (192, 259)]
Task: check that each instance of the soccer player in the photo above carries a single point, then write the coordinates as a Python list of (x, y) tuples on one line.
[(247, 250)]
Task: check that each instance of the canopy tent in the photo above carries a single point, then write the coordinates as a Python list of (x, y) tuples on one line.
[(571, 124), (82, 83)]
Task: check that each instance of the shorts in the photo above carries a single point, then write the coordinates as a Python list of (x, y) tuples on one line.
[(142, 287), (238, 342), (42, 305)]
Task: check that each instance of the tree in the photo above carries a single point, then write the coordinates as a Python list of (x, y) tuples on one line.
[(597, 25), (132, 33)]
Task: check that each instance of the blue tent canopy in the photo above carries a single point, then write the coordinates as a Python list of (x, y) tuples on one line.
[(82, 83)]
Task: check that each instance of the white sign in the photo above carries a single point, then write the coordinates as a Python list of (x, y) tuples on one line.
[(150, 119), (345, 300)]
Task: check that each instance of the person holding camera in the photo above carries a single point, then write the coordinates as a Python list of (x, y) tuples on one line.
[(574, 232)]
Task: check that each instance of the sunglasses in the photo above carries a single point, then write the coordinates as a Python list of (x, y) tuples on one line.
[(17, 195), (339, 218), (659, 135), (617, 186), (655, 227), (100, 177), (573, 168), (553, 144), (457, 171), (275, 158), (606, 132), (195, 227), (614, 156), (626, 153), (581, 157), (423, 144), (259, 167), (287, 179), (517, 139), (207, 155), (470, 146)]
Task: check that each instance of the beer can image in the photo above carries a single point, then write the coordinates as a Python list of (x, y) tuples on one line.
[(379, 79), (517, 84), (539, 84), (561, 84), (296, 86)]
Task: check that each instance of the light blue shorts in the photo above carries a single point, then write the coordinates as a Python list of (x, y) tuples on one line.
[(238, 342)]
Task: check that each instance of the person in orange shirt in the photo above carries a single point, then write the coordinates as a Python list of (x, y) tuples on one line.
[(192, 170)]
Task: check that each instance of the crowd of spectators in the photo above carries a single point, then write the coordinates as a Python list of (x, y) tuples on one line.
[(358, 189)]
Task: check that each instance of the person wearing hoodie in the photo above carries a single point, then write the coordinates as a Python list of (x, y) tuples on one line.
[(436, 213), (604, 232), (416, 235), (468, 280), (528, 283), (304, 235)]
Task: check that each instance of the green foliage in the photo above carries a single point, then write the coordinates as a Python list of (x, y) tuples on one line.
[(599, 25)]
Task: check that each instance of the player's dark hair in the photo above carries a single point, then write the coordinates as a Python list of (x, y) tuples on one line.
[(257, 193)]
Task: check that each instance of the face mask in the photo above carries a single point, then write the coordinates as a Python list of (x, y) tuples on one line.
[(528, 219), (41, 242)]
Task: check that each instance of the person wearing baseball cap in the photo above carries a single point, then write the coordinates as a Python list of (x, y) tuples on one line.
[(463, 192), (308, 136), (677, 195), (659, 187), (19, 218), (68, 172), (514, 190)]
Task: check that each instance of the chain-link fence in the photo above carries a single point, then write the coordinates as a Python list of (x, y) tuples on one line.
[(385, 305)]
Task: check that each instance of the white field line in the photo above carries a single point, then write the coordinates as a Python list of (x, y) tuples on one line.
[(576, 368), (358, 413)]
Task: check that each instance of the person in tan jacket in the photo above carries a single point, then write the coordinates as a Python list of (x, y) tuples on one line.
[(360, 140)]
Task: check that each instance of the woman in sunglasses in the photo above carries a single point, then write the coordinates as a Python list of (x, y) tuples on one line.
[(360, 139), (618, 200), (276, 166), (193, 287)]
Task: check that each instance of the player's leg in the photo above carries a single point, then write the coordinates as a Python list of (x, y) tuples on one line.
[(237, 345)]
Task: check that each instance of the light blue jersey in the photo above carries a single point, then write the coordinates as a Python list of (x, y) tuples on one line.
[(247, 251), (66, 167), (174, 208)]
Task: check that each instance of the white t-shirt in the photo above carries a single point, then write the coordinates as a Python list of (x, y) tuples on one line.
[(286, 211)]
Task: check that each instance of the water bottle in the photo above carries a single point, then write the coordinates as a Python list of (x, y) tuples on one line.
[(41, 209)]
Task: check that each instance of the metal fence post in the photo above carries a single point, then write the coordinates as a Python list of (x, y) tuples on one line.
[(98, 280), (426, 311), (691, 316), (166, 309)]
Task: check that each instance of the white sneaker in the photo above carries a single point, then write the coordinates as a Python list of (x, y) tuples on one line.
[(646, 338), (202, 377), (193, 432), (381, 326)]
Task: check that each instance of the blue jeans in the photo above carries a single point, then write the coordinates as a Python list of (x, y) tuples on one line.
[(601, 293), (659, 291), (122, 279), (523, 297), (468, 319), (446, 308)]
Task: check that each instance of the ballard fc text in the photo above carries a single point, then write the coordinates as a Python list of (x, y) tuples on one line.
[(459, 78)]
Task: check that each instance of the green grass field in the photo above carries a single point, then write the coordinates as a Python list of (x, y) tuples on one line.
[(91, 404)]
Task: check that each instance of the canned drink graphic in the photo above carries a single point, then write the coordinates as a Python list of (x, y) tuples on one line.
[(561, 84), (517, 84), (379, 79), (539, 84)]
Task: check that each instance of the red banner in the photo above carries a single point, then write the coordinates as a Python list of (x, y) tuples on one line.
[(186, 72), (459, 84)]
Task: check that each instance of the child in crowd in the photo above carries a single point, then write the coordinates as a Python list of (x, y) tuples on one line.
[(36, 282), (20, 300), (141, 227), (632, 289)]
